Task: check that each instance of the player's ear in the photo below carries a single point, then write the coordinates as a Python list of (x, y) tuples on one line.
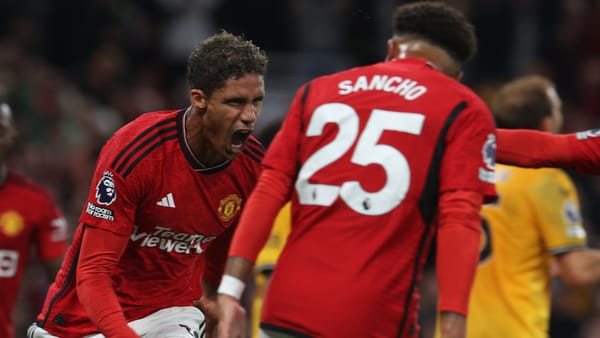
[(198, 99), (392, 51)]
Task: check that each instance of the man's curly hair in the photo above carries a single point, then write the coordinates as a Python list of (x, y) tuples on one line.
[(221, 57), (439, 24)]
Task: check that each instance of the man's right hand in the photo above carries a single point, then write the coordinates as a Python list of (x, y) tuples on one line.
[(232, 318)]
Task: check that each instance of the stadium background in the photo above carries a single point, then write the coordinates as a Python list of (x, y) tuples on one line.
[(74, 71)]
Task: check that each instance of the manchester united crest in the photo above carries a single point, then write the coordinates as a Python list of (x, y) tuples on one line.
[(11, 223), (229, 207)]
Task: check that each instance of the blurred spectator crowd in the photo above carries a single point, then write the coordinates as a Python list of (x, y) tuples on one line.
[(75, 71)]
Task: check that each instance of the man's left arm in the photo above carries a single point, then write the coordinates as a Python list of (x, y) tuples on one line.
[(467, 177)]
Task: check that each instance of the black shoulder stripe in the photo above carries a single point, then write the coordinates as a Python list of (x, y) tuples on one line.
[(303, 101), (139, 137), (429, 198), (255, 149), (256, 142), (160, 141), (252, 156), (427, 206), (141, 146)]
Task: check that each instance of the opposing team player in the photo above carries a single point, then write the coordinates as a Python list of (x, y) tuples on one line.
[(536, 220), (28, 217), (167, 192), (376, 160)]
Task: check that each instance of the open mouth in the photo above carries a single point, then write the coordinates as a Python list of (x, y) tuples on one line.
[(239, 137)]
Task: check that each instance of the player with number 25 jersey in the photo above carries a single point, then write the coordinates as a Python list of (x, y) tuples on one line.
[(376, 161), (393, 136)]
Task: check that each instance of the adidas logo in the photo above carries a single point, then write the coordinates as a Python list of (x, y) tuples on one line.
[(167, 201)]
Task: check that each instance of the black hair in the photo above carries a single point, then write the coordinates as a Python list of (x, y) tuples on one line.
[(221, 57), (439, 24)]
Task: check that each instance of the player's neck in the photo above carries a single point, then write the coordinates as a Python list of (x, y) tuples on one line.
[(438, 58), (197, 143)]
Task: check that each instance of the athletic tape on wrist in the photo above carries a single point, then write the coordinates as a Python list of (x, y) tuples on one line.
[(231, 286)]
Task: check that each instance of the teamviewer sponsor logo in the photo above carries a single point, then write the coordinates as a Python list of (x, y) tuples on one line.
[(163, 238), (99, 212)]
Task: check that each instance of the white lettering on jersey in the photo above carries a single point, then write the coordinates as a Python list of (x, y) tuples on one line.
[(166, 239), (407, 88), (583, 135), (100, 212)]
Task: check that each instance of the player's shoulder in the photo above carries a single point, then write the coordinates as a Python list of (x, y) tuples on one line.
[(140, 138), (553, 176), (533, 174), (28, 186), (465, 93), (148, 123), (543, 181)]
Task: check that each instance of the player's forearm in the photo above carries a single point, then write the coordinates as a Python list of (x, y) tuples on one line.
[(458, 242), (239, 267), (237, 270), (580, 268), (98, 257), (102, 306)]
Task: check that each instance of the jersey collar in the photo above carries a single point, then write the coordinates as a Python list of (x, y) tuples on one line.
[(196, 164)]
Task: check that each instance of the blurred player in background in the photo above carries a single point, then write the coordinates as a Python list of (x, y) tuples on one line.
[(537, 218), (166, 195), (375, 160), (28, 216)]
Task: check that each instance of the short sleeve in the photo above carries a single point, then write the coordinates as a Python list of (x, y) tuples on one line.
[(112, 199), (557, 211)]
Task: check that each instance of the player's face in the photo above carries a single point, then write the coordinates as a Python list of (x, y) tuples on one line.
[(556, 105), (231, 115), (7, 129)]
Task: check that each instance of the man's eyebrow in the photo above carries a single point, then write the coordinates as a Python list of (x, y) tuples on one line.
[(243, 99), (235, 100)]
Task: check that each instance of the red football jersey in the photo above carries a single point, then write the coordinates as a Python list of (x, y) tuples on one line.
[(370, 149), (28, 216), (149, 186)]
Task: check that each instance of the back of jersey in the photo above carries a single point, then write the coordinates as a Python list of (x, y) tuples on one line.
[(376, 145)]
